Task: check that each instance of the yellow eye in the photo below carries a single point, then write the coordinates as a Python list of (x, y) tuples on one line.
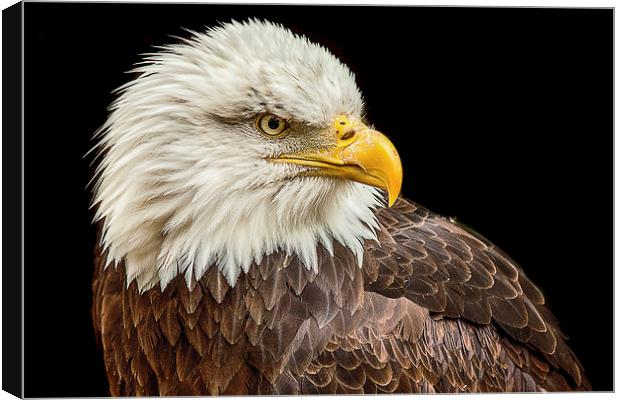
[(271, 125)]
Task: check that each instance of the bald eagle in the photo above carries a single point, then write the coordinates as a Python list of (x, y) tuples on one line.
[(252, 241)]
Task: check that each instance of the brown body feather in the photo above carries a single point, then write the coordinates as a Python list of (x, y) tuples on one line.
[(434, 308)]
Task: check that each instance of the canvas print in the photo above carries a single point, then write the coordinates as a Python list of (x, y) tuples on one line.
[(283, 200)]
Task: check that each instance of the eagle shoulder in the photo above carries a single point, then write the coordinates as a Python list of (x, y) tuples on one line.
[(456, 273), (434, 308)]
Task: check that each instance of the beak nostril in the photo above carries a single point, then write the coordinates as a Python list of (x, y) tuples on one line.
[(348, 135)]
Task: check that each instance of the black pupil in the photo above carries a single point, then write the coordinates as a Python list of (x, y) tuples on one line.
[(273, 123)]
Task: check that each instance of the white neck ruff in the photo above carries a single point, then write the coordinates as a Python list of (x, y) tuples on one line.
[(231, 236)]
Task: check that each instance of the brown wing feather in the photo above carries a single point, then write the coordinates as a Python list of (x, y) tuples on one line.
[(401, 348), (456, 273)]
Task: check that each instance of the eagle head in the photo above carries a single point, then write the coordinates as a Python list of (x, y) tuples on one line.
[(234, 144)]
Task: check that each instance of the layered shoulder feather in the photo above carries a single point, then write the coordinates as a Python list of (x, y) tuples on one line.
[(456, 273)]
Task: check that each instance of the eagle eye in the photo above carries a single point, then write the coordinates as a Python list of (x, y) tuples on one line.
[(271, 125)]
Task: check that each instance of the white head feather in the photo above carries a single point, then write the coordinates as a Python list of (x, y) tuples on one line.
[(184, 183)]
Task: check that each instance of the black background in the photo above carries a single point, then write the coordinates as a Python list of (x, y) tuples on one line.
[(502, 117)]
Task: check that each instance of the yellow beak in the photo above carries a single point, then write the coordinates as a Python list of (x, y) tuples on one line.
[(361, 154)]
